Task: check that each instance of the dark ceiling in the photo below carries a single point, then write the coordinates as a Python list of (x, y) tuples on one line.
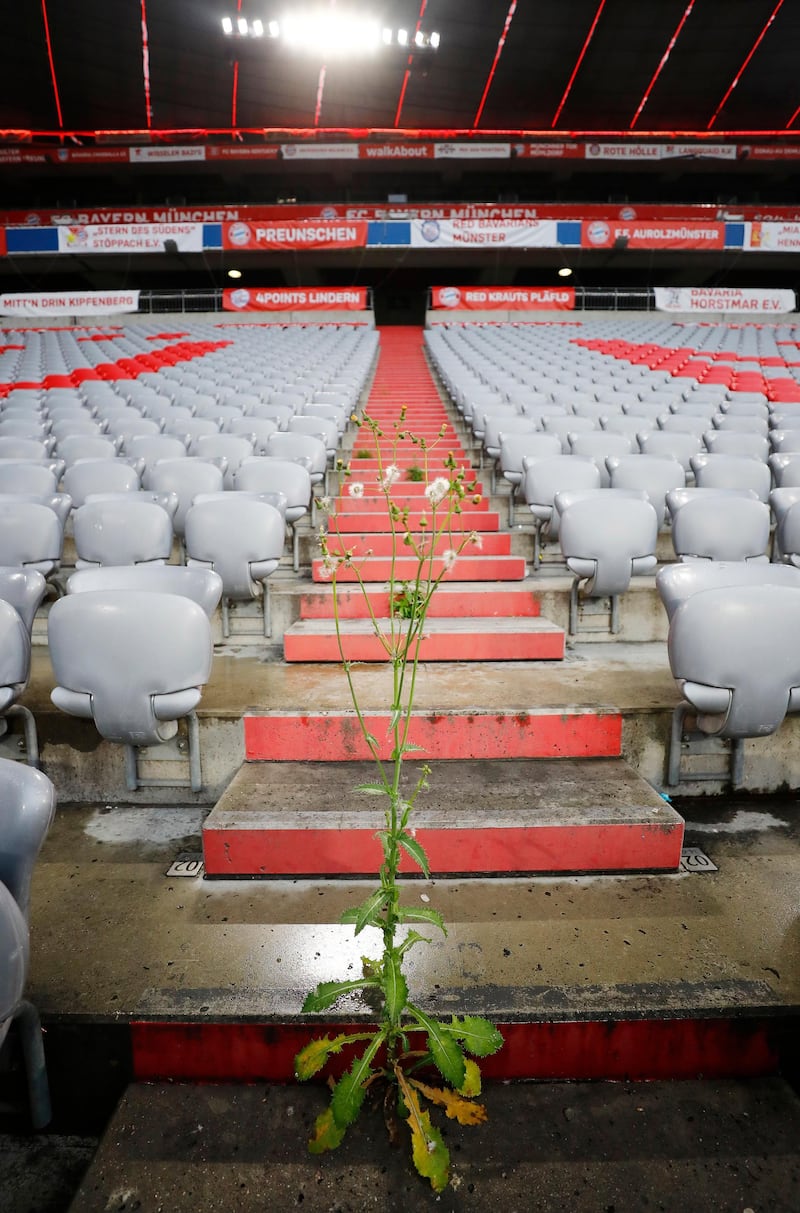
[(569, 65)]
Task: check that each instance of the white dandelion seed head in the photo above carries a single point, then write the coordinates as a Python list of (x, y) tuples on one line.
[(449, 557), (329, 565), (476, 540), (437, 490), (355, 488), (390, 476)]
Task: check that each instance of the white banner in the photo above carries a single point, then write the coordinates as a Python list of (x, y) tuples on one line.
[(66, 303), (472, 151), (774, 237), (480, 233), (131, 238), (319, 151), (192, 151), (661, 151), (721, 299)]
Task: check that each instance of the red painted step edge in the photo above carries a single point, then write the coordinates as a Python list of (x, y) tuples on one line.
[(614, 1050), (336, 737), (633, 847), (455, 603), (455, 646)]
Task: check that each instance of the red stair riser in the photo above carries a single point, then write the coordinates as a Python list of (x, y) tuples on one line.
[(459, 604), (338, 738), (367, 523), (621, 1050), (382, 543), (466, 568), (547, 646), (343, 852), (373, 501)]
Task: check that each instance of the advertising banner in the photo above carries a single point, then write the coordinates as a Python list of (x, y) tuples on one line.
[(661, 151), (319, 151), (296, 234), (774, 237), (452, 233), (130, 238), (70, 303), (295, 299), (507, 298), (597, 233), (472, 151), (721, 299)]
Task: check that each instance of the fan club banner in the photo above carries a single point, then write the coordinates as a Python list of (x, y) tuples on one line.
[(334, 233), (66, 303), (453, 233), (132, 238), (292, 299), (774, 237), (597, 233), (506, 298), (720, 299)]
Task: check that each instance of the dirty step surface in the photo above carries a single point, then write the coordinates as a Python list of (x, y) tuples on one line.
[(591, 815), (494, 639)]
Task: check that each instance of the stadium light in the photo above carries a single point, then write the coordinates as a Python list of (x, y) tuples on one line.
[(330, 33)]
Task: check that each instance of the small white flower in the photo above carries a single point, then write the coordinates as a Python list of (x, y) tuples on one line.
[(437, 490), (329, 565), (355, 488), (324, 503), (476, 540), (390, 476), (449, 558)]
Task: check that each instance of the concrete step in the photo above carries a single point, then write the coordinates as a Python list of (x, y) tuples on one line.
[(336, 736), (476, 817), (494, 639), (404, 568)]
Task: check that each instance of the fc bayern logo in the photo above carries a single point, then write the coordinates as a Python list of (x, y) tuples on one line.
[(240, 297), (430, 230), (598, 232), (239, 234), (450, 296)]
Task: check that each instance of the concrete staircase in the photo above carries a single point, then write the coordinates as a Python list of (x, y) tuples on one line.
[(511, 791)]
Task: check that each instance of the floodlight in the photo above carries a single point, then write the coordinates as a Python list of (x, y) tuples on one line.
[(242, 26), (227, 25)]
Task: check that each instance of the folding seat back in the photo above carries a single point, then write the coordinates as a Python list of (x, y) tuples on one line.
[(15, 658), (121, 529), (785, 504), (627, 423), (719, 524), (23, 589), (268, 474), (677, 582), (731, 442), (257, 428), (650, 474), (740, 423), (231, 447), (241, 539), (23, 448), (550, 475), (27, 478), (599, 446), (27, 808), (732, 472), (152, 447), (86, 446), (323, 428), (89, 476), (31, 535), (186, 478), (683, 423), (301, 448), (734, 657), (565, 427), (671, 445), (607, 536), (202, 586), (131, 661), (785, 469)]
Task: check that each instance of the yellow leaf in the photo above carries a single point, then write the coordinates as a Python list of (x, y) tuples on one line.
[(430, 1154), (327, 1134), (457, 1108), (472, 1083)]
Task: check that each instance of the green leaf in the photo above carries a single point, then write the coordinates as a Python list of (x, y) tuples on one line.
[(478, 1035), (329, 992), (327, 1134), (411, 938), (348, 1094), (408, 747), (421, 914), (416, 851), (472, 1083), (369, 910), (395, 988), (371, 741), (444, 1048), (313, 1057), (371, 789)]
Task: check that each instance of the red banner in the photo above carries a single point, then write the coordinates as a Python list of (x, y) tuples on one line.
[(506, 298), (597, 233), (522, 212), (296, 234), (295, 299)]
